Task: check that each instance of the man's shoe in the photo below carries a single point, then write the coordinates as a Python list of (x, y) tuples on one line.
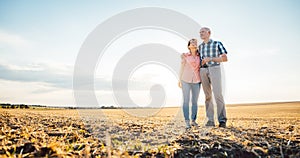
[(210, 124), (222, 124)]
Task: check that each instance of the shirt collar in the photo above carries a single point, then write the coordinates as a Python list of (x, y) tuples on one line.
[(210, 40)]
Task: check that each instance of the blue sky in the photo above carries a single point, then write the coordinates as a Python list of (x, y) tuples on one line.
[(40, 40)]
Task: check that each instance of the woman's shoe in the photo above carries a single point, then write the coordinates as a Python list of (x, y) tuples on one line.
[(194, 124), (187, 124)]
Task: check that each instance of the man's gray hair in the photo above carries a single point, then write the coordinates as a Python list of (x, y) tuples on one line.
[(206, 28)]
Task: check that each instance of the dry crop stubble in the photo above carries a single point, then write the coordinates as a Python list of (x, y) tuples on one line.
[(253, 131)]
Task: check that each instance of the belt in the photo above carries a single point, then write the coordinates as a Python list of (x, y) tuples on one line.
[(204, 66)]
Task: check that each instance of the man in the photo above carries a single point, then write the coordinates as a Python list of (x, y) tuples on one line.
[(212, 53)]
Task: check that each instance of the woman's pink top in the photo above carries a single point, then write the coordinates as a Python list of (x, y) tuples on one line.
[(191, 68)]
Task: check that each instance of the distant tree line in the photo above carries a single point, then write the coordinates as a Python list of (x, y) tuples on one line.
[(17, 106), (23, 106), (109, 107), (102, 107), (14, 106)]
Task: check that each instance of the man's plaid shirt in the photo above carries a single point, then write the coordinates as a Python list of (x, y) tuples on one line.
[(212, 49)]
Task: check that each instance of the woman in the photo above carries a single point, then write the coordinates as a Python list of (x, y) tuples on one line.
[(189, 82)]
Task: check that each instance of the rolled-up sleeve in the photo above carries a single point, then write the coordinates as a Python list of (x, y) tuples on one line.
[(221, 48)]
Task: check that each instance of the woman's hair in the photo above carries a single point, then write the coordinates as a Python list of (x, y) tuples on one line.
[(189, 43)]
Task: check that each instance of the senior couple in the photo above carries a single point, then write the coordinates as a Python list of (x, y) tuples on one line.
[(201, 65)]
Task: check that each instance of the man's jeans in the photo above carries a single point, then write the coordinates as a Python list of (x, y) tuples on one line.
[(187, 89), (211, 82)]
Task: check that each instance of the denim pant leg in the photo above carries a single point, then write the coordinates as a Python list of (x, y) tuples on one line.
[(186, 90), (195, 95)]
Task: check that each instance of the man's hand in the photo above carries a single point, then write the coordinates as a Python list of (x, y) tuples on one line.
[(205, 60)]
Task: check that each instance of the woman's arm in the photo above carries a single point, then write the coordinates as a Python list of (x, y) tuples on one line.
[(181, 71)]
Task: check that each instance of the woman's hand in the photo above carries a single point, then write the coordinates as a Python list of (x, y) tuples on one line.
[(179, 84), (182, 56)]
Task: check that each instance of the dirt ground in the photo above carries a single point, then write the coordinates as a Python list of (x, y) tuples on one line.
[(252, 130)]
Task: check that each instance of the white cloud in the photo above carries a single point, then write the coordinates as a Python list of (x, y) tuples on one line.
[(33, 93), (36, 73), (14, 40)]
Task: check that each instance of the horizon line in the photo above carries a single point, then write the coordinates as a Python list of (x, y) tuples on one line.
[(141, 107)]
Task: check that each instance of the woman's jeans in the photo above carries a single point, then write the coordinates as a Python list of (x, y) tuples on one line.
[(187, 89)]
